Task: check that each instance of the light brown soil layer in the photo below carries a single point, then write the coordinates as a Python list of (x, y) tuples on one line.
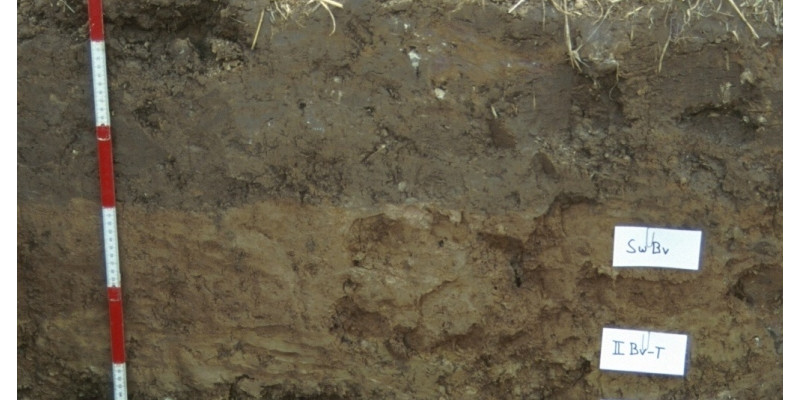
[(318, 218)]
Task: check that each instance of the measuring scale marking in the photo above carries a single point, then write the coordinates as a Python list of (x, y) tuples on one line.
[(105, 162)]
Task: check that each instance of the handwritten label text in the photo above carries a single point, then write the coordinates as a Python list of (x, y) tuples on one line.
[(654, 247), (643, 351)]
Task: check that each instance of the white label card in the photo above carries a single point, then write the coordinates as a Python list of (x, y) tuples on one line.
[(636, 246), (646, 352)]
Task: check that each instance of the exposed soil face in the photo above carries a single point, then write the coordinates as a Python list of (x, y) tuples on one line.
[(418, 206)]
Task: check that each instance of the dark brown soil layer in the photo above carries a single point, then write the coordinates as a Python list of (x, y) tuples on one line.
[(322, 218)]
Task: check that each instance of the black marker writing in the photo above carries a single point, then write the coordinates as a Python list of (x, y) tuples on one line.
[(637, 349), (650, 243), (617, 351)]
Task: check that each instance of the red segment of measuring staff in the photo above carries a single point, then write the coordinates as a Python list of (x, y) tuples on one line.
[(115, 313), (105, 160), (96, 32)]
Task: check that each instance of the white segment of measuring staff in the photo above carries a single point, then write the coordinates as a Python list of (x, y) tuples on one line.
[(113, 278), (636, 246), (102, 113), (119, 374), (628, 350)]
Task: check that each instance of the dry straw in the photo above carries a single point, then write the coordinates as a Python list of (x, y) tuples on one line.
[(767, 13)]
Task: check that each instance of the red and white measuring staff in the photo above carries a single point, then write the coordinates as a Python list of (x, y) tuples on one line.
[(107, 197)]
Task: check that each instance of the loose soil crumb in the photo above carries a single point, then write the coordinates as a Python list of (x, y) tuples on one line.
[(418, 206)]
